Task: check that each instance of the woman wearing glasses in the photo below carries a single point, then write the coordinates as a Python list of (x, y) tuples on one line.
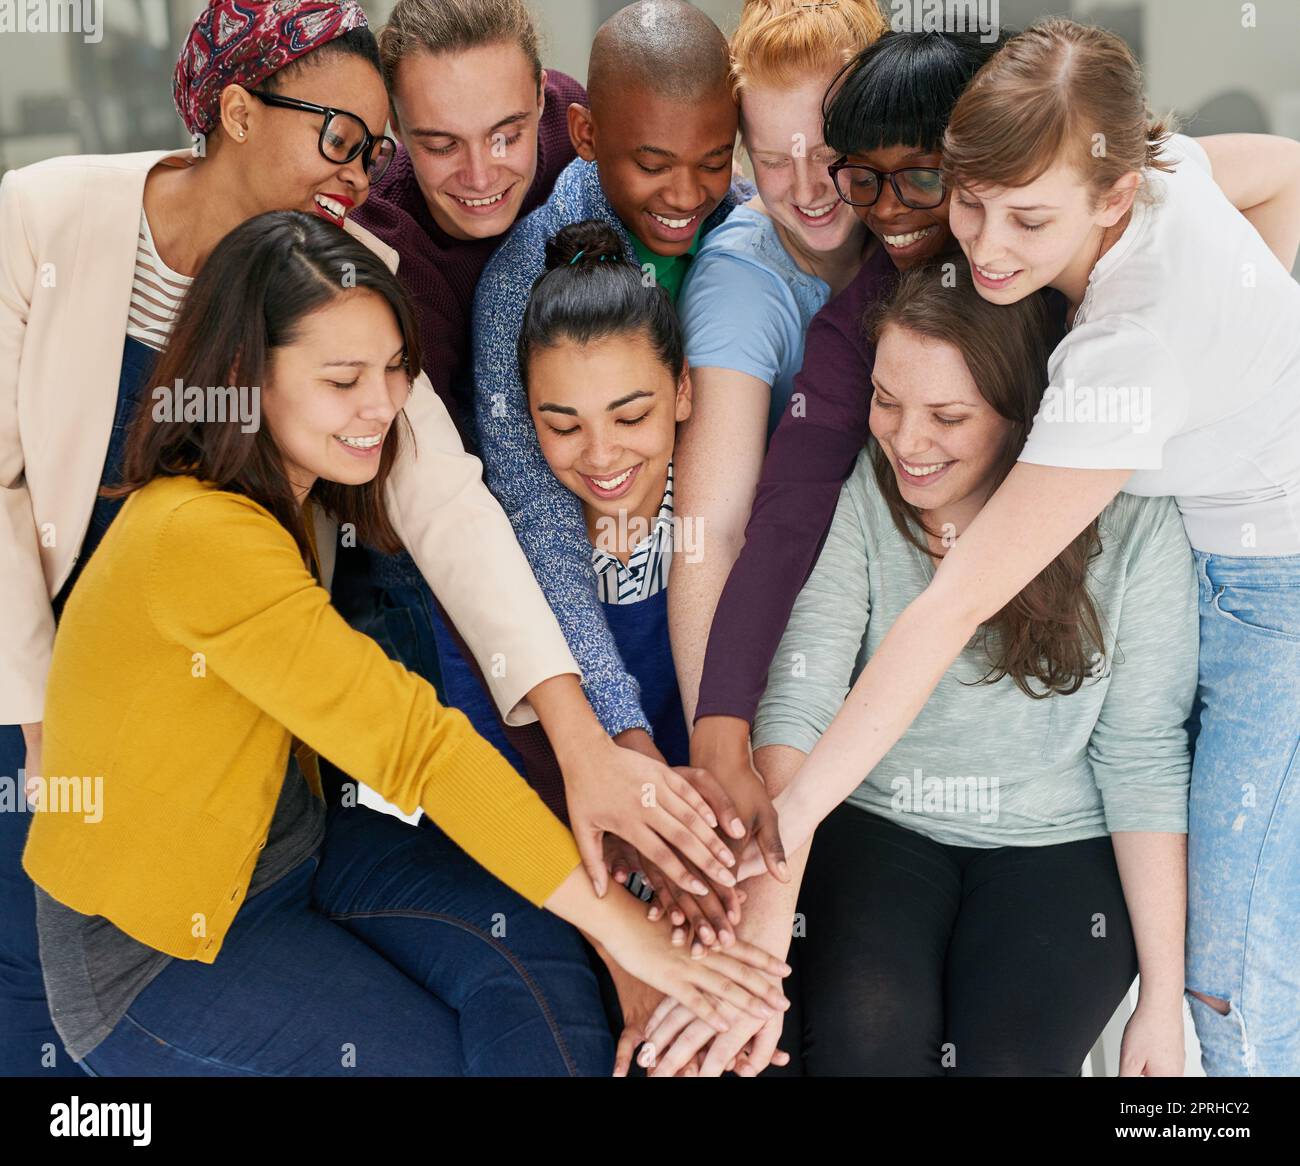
[(884, 114), (287, 108)]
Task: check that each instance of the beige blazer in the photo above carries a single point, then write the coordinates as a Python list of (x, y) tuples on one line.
[(68, 234)]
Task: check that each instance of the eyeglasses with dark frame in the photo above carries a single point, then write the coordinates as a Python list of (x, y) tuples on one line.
[(343, 135), (920, 187)]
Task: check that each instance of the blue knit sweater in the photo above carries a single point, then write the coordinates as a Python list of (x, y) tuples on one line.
[(547, 518)]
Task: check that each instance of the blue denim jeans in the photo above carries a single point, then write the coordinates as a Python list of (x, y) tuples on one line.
[(1243, 909), (29, 1046), (389, 952)]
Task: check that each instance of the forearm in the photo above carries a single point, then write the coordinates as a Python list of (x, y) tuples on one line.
[(692, 600), (1153, 871), (888, 695), (566, 716), (771, 904)]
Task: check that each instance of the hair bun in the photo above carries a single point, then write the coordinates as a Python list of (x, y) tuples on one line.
[(580, 244)]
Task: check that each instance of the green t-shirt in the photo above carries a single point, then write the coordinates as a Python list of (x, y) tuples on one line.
[(669, 270)]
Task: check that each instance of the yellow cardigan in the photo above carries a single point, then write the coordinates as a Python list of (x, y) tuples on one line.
[(194, 648)]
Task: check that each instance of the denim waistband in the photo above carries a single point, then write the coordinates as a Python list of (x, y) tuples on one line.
[(1246, 570)]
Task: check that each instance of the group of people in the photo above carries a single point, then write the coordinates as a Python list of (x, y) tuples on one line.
[(967, 434)]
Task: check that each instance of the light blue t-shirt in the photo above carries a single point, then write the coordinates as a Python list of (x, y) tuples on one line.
[(746, 305)]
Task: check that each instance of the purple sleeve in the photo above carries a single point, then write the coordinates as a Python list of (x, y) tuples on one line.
[(810, 457)]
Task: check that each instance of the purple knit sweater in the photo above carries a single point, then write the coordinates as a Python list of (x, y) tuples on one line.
[(441, 272)]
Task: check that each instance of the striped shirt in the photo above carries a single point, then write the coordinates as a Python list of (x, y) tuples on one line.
[(646, 572), (156, 293)]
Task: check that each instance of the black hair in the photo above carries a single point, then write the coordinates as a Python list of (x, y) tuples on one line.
[(356, 42), (900, 89), (591, 291)]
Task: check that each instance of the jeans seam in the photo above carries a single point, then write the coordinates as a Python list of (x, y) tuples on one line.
[(1250, 901), (534, 988), (180, 1052)]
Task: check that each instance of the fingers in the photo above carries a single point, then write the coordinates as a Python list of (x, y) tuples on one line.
[(620, 859), (663, 1009), (741, 986), (653, 847), (762, 1050), (768, 836), (682, 1051), (627, 1042), (666, 896), (757, 957), (592, 850), (685, 828), (681, 785), (712, 791)]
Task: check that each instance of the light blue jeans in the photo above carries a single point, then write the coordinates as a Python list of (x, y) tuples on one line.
[(1243, 892)]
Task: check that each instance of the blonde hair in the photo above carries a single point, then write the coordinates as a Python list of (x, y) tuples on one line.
[(781, 43), (1058, 90), (447, 26)]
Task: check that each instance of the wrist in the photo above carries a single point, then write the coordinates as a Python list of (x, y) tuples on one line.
[(721, 742), (567, 719)]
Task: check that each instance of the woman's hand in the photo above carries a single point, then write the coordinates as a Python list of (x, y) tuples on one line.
[(720, 745), (705, 920), (624, 792), (744, 976), (677, 1044), (1153, 1040), (638, 1002)]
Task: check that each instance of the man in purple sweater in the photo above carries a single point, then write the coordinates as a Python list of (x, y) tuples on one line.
[(485, 134)]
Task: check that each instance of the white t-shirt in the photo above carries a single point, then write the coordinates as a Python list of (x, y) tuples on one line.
[(1183, 364)]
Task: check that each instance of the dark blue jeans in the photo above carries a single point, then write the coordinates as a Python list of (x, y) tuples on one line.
[(29, 1046), (389, 952)]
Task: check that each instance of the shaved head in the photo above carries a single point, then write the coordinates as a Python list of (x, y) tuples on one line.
[(665, 47)]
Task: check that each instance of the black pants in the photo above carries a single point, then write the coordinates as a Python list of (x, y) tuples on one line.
[(925, 960)]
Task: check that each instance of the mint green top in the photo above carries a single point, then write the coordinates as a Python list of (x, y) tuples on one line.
[(984, 764), (669, 270)]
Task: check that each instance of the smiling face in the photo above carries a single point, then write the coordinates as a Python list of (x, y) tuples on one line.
[(1047, 233), (783, 137), (944, 441), (469, 120), (333, 393), (281, 167), (664, 166), (909, 236), (606, 415)]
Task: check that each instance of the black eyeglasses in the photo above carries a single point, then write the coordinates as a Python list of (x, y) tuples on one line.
[(920, 187), (343, 135)]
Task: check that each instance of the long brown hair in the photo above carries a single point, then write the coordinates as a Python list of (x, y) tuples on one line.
[(258, 284), (1057, 90), (1051, 629)]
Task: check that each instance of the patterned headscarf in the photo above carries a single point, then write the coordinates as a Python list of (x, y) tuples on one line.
[(242, 42)]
